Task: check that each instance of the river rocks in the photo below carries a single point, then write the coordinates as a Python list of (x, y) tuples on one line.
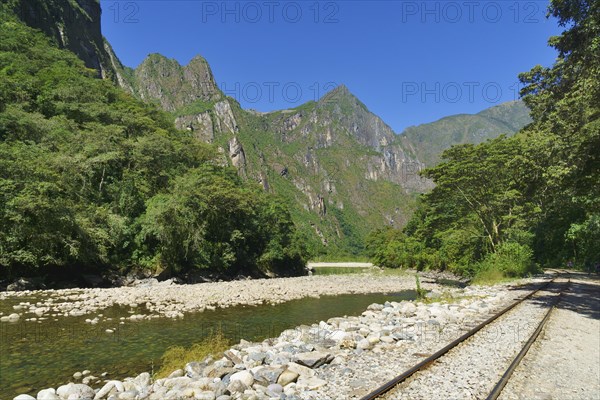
[(47, 394), (76, 391)]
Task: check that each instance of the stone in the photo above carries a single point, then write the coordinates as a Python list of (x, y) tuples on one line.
[(24, 397), (105, 390), (76, 390), (206, 395), (311, 382), (128, 395), (47, 394), (193, 369), (287, 377), (235, 359), (300, 369), (236, 386), (408, 308), (243, 376), (338, 335), (274, 390), (13, 317), (257, 356), (375, 307), (364, 344), (313, 359), (176, 374), (77, 375), (387, 339), (267, 375)]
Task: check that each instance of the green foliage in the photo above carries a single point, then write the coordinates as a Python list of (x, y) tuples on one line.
[(511, 259), (91, 178), (501, 206)]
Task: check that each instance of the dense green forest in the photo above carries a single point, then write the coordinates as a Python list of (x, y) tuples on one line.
[(512, 204), (93, 179)]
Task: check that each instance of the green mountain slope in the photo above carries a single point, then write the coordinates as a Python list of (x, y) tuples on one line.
[(94, 181), (428, 141)]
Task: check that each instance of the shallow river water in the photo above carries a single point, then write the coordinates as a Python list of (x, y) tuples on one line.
[(34, 355)]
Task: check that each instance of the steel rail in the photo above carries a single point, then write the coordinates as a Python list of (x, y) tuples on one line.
[(386, 387), (515, 363)]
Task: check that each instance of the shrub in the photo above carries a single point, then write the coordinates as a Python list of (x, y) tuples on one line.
[(510, 260)]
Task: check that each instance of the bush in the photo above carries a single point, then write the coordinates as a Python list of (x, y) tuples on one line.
[(510, 260)]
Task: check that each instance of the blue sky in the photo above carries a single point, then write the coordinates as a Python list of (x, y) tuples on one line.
[(410, 62)]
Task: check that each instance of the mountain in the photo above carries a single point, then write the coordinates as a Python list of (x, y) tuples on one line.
[(428, 141), (73, 25), (341, 168)]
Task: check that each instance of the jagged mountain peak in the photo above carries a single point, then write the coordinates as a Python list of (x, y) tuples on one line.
[(174, 86)]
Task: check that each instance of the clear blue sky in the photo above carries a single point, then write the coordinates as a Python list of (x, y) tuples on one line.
[(409, 62)]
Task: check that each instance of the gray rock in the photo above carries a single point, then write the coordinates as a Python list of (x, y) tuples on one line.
[(193, 369), (258, 356), (212, 372), (313, 359), (79, 390), (267, 375), (236, 387)]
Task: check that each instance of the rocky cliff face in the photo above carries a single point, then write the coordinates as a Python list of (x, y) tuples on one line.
[(174, 86), (342, 169), (74, 25)]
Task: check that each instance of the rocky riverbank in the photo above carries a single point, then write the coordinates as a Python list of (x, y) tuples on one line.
[(339, 358), (153, 299)]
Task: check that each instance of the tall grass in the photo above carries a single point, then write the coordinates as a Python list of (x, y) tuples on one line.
[(175, 357)]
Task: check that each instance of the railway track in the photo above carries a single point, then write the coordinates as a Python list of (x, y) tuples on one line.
[(385, 390)]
